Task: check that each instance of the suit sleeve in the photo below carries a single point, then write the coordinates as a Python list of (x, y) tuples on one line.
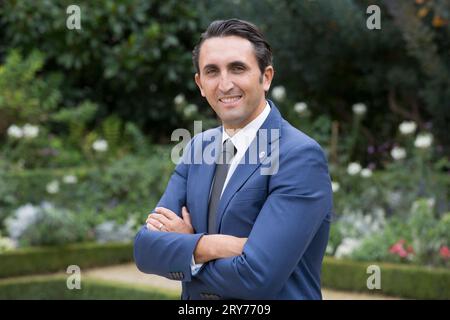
[(168, 253), (299, 200)]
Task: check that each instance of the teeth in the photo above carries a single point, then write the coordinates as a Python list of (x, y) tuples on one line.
[(230, 100)]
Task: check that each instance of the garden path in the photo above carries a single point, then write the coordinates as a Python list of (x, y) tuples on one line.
[(128, 273)]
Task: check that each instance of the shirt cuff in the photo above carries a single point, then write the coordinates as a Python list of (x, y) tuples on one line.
[(195, 268)]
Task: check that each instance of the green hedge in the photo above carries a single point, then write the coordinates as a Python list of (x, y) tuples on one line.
[(54, 287), (396, 280), (45, 260)]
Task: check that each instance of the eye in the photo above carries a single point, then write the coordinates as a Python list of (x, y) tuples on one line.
[(238, 68), (211, 72)]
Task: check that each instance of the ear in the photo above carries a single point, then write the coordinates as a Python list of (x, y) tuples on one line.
[(199, 84), (267, 77)]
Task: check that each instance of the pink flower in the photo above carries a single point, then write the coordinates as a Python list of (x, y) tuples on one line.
[(396, 248), (400, 251), (444, 252)]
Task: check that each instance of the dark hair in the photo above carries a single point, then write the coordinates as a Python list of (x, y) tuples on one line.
[(240, 28)]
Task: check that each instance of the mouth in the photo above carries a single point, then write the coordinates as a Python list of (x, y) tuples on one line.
[(230, 101)]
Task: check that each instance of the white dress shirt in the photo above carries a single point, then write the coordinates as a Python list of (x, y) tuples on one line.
[(241, 140)]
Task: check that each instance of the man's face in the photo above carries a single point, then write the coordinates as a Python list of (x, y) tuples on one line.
[(230, 79)]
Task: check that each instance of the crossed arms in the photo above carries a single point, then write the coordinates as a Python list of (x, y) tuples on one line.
[(298, 202), (209, 247)]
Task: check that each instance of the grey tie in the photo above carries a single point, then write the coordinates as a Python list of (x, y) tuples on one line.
[(227, 154)]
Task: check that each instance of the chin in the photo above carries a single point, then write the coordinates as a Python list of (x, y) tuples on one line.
[(233, 121)]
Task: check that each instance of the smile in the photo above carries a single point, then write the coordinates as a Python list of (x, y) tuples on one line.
[(230, 100)]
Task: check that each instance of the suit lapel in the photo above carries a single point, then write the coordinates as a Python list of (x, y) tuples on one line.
[(205, 176), (261, 145)]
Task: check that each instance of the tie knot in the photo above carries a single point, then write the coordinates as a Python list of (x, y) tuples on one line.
[(228, 151)]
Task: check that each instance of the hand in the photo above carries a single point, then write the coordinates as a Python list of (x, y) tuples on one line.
[(217, 246), (168, 221)]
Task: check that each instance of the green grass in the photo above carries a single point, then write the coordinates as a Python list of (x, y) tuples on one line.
[(54, 287)]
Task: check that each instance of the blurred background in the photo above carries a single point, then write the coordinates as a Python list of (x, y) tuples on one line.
[(86, 118)]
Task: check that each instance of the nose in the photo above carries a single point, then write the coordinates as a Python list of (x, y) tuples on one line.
[(225, 83)]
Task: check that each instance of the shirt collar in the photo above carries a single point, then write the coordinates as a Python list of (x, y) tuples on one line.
[(244, 137)]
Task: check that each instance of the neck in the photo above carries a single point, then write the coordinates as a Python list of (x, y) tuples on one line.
[(232, 129)]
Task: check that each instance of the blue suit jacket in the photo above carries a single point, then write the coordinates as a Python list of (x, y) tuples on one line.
[(286, 217)]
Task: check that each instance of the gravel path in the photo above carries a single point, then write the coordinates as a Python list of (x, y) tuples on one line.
[(128, 273)]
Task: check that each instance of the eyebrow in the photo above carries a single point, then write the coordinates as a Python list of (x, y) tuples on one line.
[(236, 63)]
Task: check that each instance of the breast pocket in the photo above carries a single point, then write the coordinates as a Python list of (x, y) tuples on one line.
[(249, 194)]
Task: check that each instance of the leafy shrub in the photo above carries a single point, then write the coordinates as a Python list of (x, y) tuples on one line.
[(110, 231), (25, 97), (131, 57), (112, 193), (333, 61), (420, 237), (46, 225)]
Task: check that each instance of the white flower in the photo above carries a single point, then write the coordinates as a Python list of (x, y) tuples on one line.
[(407, 127), (23, 217), (100, 145), (53, 187), (300, 107), (190, 110), (423, 141), (110, 231), (70, 179), (279, 93), (30, 131), (359, 109), (347, 246), (15, 132), (7, 244), (394, 198), (366, 173), (353, 168), (335, 186), (46, 205), (179, 99), (398, 153)]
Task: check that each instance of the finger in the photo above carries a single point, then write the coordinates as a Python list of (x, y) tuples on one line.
[(153, 222), (150, 227), (159, 226), (186, 216), (156, 226), (169, 214), (162, 219)]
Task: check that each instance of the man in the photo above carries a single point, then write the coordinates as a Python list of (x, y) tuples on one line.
[(229, 229)]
